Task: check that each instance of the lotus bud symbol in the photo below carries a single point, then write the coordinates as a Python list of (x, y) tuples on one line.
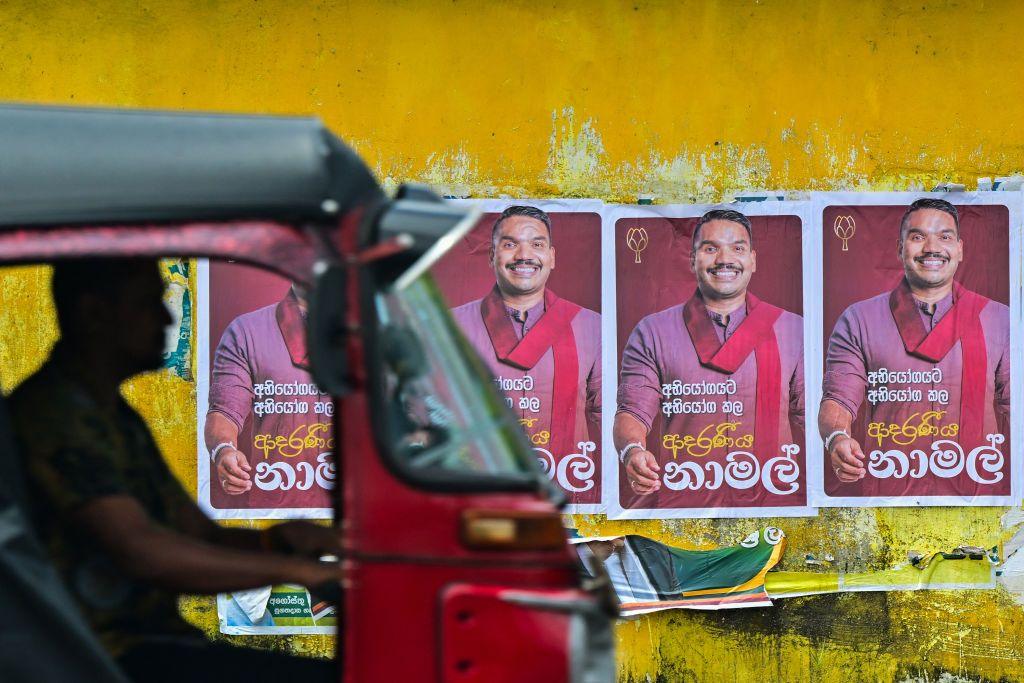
[(844, 227), (636, 239)]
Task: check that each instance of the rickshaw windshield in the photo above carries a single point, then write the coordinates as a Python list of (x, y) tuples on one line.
[(444, 416)]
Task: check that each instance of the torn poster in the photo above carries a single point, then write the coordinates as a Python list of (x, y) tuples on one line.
[(281, 610), (649, 576), (176, 274), (941, 571)]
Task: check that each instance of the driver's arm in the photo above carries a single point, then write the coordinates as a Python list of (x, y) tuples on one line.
[(292, 537), (155, 554)]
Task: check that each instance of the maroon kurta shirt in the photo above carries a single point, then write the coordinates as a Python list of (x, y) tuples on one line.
[(529, 392), (253, 377), (869, 372), (662, 382)]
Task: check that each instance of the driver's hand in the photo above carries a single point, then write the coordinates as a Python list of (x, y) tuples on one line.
[(312, 574), (233, 471), (642, 472), (304, 538), (847, 459)]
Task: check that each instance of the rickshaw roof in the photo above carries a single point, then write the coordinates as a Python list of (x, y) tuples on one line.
[(64, 165)]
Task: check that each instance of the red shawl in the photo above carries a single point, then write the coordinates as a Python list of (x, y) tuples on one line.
[(554, 332), (293, 329), (962, 323), (756, 333)]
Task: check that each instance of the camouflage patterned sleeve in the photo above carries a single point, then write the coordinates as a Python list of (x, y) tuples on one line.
[(79, 468)]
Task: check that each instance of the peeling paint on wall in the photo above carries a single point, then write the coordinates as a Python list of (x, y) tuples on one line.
[(575, 158), (454, 173)]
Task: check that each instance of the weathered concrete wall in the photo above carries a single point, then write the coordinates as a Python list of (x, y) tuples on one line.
[(685, 100)]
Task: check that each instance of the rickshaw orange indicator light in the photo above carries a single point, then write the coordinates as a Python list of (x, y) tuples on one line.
[(512, 530)]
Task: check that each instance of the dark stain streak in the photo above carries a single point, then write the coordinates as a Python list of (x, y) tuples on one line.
[(854, 619)]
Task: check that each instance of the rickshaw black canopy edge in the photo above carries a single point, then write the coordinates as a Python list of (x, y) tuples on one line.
[(70, 165)]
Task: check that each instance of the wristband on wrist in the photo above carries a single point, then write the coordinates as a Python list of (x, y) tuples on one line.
[(218, 448), (831, 437), (627, 448)]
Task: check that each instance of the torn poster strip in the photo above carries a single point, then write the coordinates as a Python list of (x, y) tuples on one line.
[(943, 571), (278, 610), (649, 576), (178, 300)]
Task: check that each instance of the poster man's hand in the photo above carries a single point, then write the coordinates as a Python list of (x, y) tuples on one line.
[(603, 549), (233, 471), (642, 471), (847, 459)]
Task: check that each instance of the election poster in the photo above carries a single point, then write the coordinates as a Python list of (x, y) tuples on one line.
[(535, 320), (264, 427), (917, 319), (705, 341), (282, 610)]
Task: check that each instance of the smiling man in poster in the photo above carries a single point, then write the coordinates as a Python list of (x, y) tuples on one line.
[(544, 351), (723, 371), (925, 366)]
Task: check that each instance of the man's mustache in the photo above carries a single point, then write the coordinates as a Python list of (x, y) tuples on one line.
[(725, 266), (523, 262), (932, 254)]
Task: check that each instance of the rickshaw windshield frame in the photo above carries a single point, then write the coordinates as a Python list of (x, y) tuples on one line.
[(466, 481)]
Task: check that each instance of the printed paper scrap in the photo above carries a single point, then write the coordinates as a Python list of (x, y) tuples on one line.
[(277, 610), (649, 576)]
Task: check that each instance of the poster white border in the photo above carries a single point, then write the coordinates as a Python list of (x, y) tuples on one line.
[(203, 404), (609, 323), (814, 345), (557, 205)]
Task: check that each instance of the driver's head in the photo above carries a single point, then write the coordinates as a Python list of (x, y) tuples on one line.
[(116, 302), (522, 253)]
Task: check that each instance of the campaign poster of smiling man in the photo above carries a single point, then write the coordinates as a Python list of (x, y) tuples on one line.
[(710, 403), (915, 404), (525, 286), (265, 429)]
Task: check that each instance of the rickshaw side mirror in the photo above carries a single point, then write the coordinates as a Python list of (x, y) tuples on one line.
[(327, 331)]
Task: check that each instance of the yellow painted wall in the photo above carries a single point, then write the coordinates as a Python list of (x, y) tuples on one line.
[(684, 100)]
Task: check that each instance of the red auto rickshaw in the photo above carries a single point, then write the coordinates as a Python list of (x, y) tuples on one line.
[(455, 560)]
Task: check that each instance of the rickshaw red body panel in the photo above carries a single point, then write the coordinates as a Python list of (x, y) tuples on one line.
[(471, 616), (406, 557)]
